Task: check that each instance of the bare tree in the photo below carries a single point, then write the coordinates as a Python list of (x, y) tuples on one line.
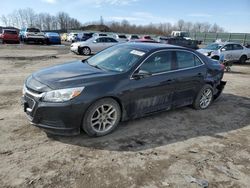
[(188, 26), (214, 28), (206, 27), (180, 24), (5, 20)]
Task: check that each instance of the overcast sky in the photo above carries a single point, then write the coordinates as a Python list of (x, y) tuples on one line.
[(232, 15)]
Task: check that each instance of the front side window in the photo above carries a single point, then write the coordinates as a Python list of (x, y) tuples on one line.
[(100, 40), (228, 47), (158, 62), (186, 60)]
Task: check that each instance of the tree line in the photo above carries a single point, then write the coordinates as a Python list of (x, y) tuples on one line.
[(28, 18), (164, 28), (62, 21)]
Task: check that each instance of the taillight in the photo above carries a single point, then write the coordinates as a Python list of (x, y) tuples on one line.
[(222, 66)]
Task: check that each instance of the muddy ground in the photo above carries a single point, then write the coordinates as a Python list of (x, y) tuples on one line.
[(169, 149)]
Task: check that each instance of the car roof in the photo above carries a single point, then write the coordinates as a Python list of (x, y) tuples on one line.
[(224, 43), (151, 46)]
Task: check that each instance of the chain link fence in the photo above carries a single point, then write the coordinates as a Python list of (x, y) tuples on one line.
[(243, 38)]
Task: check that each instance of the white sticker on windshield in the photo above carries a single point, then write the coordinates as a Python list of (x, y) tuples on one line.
[(136, 52)]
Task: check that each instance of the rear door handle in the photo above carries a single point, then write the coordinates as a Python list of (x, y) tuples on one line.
[(170, 81)]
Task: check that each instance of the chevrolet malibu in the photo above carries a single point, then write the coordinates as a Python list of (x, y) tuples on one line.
[(126, 81)]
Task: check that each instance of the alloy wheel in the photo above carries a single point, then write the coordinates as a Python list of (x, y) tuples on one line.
[(103, 118), (206, 98)]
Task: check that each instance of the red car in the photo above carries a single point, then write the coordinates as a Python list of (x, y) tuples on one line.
[(144, 40), (146, 37), (9, 36)]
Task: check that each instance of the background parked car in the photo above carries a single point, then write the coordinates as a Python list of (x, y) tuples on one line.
[(181, 41), (100, 35), (31, 34), (133, 37), (52, 38), (147, 37), (92, 45), (64, 36), (229, 50), (83, 36), (120, 37), (9, 36), (72, 37)]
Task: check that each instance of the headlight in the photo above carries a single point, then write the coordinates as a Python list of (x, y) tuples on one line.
[(62, 95)]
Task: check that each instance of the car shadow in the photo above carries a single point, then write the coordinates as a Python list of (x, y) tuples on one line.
[(229, 112), (236, 72)]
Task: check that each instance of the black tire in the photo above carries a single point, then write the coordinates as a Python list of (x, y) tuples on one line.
[(243, 59), (197, 102), (215, 57), (90, 113), (84, 51)]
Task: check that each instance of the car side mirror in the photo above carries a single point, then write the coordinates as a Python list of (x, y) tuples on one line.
[(223, 50), (94, 41), (141, 74)]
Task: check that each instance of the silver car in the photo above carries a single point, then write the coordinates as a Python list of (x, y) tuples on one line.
[(92, 45), (230, 51)]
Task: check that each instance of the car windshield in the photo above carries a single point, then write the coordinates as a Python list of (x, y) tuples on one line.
[(213, 46), (122, 36), (134, 37), (116, 58)]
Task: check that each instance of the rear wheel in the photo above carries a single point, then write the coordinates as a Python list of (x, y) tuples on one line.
[(204, 98), (243, 59), (102, 117)]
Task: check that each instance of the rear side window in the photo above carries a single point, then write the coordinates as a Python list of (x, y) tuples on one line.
[(122, 36), (237, 47), (110, 40), (158, 62), (186, 60)]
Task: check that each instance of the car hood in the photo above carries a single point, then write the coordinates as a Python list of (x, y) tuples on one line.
[(205, 51), (74, 74)]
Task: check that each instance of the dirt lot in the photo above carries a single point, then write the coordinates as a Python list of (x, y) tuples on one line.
[(169, 149)]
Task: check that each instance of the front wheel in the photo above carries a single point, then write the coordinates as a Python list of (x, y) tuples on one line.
[(84, 51), (102, 117), (204, 98)]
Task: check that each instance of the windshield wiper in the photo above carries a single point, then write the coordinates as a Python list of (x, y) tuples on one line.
[(96, 66)]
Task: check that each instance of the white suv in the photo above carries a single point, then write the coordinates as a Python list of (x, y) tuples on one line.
[(31, 34)]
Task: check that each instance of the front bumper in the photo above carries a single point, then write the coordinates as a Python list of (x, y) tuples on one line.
[(74, 49), (219, 88), (35, 39), (55, 118)]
